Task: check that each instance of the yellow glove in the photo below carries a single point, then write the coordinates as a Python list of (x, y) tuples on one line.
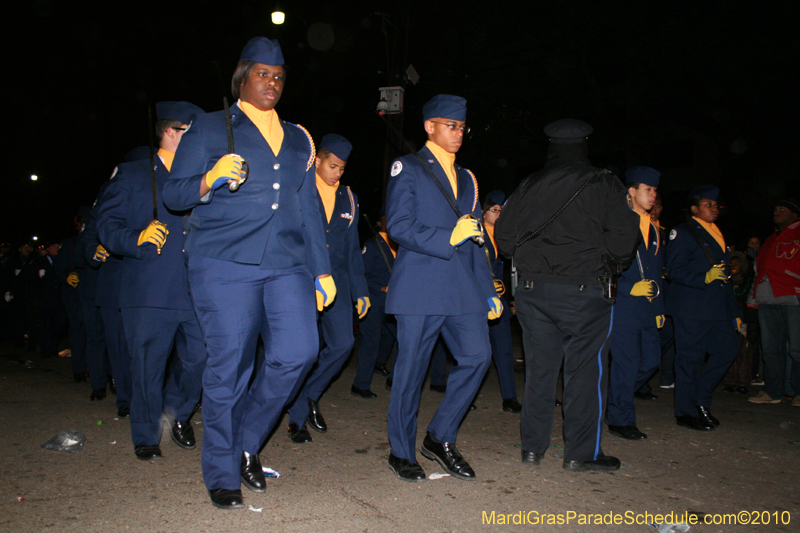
[(362, 306), (715, 274), (737, 323), (495, 308), (326, 291), (228, 168), (101, 254), (499, 286), (155, 234), (466, 227), (660, 319), (643, 288), (72, 280)]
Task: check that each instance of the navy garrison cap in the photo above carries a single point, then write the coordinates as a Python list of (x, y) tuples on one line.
[(445, 106), (263, 50), (135, 154), (568, 131), (791, 204), (648, 176), (705, 191), (496, 196), (180, 111), (337, 145)]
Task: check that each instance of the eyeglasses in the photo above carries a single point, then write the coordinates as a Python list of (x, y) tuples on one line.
[(496, 209), (453, 126)]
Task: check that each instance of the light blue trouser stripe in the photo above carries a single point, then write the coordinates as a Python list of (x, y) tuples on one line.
[(599, 387)]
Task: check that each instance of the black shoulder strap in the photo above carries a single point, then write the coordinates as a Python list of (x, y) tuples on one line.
[(531, 234), (701, 242)]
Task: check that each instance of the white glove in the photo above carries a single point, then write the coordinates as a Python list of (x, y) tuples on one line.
[(9, 296), (17, 271), (41, 272)]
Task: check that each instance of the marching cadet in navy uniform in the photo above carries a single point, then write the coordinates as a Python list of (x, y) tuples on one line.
[(703, 308), (154, 297), (378, 332), (108, 268), (338, 209), (441, 282), (638, 313), (500, 329), (257, 261)]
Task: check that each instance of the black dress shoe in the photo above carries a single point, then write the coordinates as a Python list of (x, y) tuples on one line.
[(388, 385), (226, 499), (532, 458), (439, 388), (447, 455), (364, 393), (181, 432), (299, 435), (123, 412), (604, 463), (511, 405), (729, 388), (382, 370), (315, 419), (472, 407), (705, 413), (741, 390), (146, 452), (645, 395), (98, 394), (627, 432), (252, 474), (405, 469), (558, 403), (694, 422)]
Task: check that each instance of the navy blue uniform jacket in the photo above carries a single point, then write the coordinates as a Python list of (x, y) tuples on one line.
[(376, 269), (636, 310), (430, 276), (687, 264), (341, 236), (272, 219), (147, 279)]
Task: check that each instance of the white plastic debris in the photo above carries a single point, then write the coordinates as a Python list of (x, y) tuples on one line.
[(437, 475), (268, 472), (255, 510)]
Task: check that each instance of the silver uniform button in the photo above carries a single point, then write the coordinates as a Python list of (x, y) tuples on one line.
[(274, 206), (185, 232), (277, 166), (276, 186)]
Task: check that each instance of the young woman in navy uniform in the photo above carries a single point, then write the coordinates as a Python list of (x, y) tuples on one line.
[(255, 256)]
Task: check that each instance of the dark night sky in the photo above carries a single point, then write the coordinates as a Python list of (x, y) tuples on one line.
[(698, 90)]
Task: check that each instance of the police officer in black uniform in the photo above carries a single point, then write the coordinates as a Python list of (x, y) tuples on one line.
[(560, 301)]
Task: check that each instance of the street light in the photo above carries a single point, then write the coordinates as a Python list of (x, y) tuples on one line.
[(278, 17)]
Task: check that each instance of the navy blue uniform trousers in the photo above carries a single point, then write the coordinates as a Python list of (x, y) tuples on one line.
[(378, 337), (95, 345), (562, 323), (694, 382), (236, 302), (118, 356), (503, 352), (467, 337), (336, 328), (635, 356), (151, 333)]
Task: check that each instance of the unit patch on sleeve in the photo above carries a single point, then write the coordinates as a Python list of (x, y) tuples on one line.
[(397, 168)]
